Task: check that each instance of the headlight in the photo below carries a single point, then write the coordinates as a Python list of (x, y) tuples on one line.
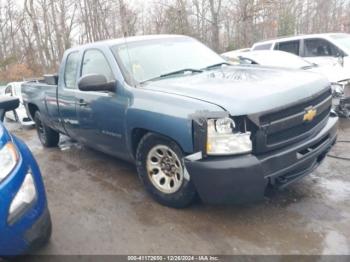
[(223, 139), (8, 160), (23, 199), (224, 125)]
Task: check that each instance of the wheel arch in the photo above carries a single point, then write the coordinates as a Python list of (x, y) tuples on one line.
[(138, 134), (32, 109)]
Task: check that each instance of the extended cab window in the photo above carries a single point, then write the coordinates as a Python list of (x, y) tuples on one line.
[(70, 72), (96, 63), (290, 47), (319, 47)]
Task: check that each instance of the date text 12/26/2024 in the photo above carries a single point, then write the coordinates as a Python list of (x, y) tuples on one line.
[(173, 258)]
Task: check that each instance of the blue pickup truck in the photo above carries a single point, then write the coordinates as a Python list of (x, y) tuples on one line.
[(25, 222), (193, 124)]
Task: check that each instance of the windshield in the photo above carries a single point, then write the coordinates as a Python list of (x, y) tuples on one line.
[(343, 41), (149, 59), (277, 59)]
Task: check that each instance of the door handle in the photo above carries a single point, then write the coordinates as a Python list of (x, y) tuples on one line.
[(82, 102)]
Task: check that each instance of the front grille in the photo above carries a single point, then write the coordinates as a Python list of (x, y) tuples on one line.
[(293, 131), (287, 125), (300, 107)]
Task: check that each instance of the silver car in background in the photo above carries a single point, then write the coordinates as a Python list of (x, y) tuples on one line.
[(315, 48)]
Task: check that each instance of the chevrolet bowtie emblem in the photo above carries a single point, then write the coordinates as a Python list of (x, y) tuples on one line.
[(310, 115)]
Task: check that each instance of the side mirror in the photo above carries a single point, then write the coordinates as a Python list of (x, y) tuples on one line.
[(96, 83), (7, 104)]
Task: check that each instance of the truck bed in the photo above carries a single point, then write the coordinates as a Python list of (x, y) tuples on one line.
[(38, 94)]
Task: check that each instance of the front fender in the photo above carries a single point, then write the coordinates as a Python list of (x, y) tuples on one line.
[(166, 114)]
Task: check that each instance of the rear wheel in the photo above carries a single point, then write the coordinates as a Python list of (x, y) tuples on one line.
[(161, 168), (48, 137)]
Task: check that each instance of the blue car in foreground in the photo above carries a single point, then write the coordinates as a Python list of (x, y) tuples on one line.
[(25, 222)]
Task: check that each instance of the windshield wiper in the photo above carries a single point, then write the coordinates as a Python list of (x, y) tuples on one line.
[(216, 65), (182, 71)]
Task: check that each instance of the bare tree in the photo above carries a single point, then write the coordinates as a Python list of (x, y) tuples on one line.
[(35, 35), (30, 10), (215, 9)]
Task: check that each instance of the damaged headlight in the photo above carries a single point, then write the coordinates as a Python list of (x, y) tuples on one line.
[(341, 88), (8, 160), (337, 90), (224, 139)]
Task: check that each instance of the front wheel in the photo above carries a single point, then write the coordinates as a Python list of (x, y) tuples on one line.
[(48, 137), (161, 169)]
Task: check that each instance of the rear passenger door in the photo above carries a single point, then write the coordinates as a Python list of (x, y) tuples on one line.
[(289, 46), (66, 95)]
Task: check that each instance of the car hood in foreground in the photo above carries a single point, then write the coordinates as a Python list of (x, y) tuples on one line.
[(244, 90)]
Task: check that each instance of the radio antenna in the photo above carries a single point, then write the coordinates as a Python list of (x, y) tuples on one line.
[(129, 57)]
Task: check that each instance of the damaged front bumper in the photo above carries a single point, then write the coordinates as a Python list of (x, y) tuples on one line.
[(242, 179), (342, 106), (341, 101)]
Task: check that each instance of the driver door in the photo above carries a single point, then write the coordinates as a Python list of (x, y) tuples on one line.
[(100, 114)]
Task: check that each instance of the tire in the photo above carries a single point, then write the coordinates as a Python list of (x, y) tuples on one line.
[(164, 179), (48, 137)]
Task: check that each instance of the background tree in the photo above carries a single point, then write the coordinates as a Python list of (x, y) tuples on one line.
[(35, 33)]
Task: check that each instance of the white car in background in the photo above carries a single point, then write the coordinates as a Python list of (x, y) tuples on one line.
[(233, 55), (336, 74), (2, 90), (315, 48), (20, 114)]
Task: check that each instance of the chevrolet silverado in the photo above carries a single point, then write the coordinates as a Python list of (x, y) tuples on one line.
[(192, 123)]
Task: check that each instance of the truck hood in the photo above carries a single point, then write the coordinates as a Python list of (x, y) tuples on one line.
[(244, 90)]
